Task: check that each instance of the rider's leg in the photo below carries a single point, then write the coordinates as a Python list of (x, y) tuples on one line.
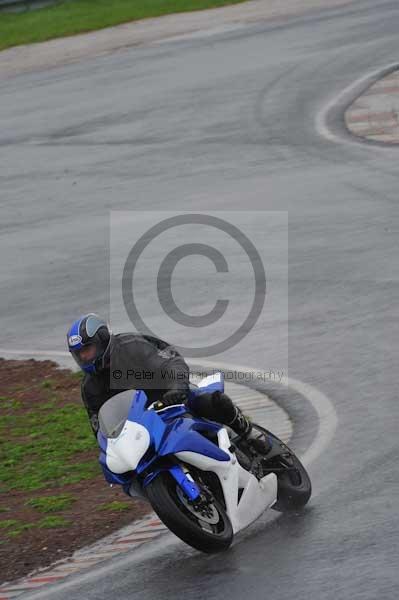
[(219, 407)]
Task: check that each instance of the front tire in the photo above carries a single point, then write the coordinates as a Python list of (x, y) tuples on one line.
[(167, 500)]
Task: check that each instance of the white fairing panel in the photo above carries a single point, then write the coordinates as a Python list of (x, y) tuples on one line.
[(215, 378), (125, 452), (256, 495)]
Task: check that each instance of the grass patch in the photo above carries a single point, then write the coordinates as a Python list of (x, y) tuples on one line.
[(37, 448), (78, 375), (7, 523), (47, 504), (49, 522), (9, 403), (47, 384), (47, 446), (14, 527), (77, 16), (116, 505)]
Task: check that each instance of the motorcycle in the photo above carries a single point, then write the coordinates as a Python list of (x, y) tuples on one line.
[(203, 481)]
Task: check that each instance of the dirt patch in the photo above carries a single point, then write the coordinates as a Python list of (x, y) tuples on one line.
[(47, 517)]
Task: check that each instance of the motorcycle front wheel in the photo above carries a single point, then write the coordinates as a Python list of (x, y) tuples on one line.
[(204, 526)]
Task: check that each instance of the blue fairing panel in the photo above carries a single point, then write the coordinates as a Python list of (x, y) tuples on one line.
[(102, 441), (177, 436), (111, 477), (183, 436), (170, 433), (148, 418)]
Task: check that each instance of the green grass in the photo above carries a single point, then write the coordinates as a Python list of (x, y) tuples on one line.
[(36, 448), (77, 375), (9, 403), (48, 522), (51, 503), (116, 505), (47, 384), (14, 527), (77, 16), (7, 523)]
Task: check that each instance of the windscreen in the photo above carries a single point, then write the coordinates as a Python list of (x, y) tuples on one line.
[(113, 413)]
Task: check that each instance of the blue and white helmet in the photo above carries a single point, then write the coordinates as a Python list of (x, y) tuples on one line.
[(90, 330)]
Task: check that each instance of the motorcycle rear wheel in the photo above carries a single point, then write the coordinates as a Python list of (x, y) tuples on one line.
[(294, 487)]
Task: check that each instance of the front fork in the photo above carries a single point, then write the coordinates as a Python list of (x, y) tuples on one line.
[(182, 478)]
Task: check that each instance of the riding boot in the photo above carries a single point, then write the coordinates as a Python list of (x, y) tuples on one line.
[(242, 426)]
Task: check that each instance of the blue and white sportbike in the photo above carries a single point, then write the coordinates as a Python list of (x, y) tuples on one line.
[(203, 483)]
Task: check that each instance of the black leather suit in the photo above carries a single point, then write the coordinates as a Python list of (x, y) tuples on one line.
[(144, 362)]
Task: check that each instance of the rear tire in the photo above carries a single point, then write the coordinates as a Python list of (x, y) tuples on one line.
[(294, 487), (165, 499)]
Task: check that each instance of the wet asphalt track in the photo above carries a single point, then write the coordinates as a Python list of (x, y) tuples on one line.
[(229, 122)]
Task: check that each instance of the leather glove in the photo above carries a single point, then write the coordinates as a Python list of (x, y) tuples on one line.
[(172, 397)]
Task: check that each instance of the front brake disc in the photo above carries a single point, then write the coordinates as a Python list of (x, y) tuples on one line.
[(202, 511)]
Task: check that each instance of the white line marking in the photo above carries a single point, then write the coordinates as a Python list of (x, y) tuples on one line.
[(323, 406), (351, 90)]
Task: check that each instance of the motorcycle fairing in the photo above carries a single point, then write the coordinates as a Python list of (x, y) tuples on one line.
[(256, 496), (171, 436)]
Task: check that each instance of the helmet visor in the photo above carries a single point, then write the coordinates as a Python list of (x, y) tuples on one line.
[(86, 355)]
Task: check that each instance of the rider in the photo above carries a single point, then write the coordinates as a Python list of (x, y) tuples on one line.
[(93, 346)]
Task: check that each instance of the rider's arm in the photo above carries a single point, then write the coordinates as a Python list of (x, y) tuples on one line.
[(169, 369), (92, 403)]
